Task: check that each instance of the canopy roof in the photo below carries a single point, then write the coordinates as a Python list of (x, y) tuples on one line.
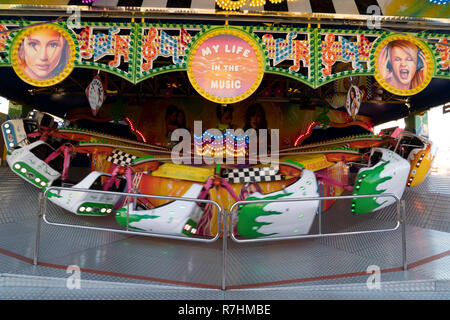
[(408, 8)]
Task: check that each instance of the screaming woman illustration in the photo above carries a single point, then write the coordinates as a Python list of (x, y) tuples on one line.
[(43, 54), (401, 64)]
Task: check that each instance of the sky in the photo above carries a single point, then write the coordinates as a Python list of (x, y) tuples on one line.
[(4, 105), (396, 123), (439, 127)]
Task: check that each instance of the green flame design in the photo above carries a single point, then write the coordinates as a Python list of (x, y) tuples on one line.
[(248, 213), (371, 180), (121, 217)]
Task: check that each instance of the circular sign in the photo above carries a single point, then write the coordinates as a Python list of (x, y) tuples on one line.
[(95, 94), (226, 66), (43, 55), (353, 101), (403, 65)]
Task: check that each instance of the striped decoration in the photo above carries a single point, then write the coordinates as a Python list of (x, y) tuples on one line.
[(120, 158), (308, 6), (254, 174)]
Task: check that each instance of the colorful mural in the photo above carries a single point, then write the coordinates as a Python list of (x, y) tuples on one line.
[(403, 65), (137, 51), (43, 55)]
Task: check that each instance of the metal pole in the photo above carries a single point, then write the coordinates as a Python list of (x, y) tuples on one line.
[(128, 213), (224, 248), (403, 219), (38, 230), (320, 209)]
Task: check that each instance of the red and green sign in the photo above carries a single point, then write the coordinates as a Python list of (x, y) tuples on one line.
[(225, 64)]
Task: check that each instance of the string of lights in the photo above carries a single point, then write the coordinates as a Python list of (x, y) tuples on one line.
[(221, 137)]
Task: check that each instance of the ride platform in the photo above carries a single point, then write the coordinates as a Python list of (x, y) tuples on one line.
[(123, 266)]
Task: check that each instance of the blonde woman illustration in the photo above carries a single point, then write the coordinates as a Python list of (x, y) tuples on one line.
[(401, 64)]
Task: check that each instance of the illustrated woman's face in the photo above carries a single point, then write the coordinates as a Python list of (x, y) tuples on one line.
[(256, 119), (180, 118), (227, 118), (403, 65), (173, 117), (42, 52)]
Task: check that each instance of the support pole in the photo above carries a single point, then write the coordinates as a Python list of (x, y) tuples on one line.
[(320, 208), (38, 229), (224, 248), (403, 219)]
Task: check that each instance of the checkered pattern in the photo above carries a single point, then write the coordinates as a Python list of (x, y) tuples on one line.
[(254, 175), (314, 6), (120, 158)]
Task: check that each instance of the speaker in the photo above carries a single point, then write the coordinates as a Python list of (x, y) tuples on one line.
[(420, 63)]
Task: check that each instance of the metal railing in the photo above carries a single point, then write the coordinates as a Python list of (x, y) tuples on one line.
[(42, 213), (226, 218), (399, 221), (270, 238)]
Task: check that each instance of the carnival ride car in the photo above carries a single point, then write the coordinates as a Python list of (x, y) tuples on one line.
[(89, 203), (386, 172), (420, 152), (383, 164), (175, 218), (37, 163)]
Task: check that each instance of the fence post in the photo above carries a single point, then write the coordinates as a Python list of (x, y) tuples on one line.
[(224, 248), (403, 220), (320, 208), (38, 229)]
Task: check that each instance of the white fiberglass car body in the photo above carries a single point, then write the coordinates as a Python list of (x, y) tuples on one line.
[(174, 218), (88, 203), (387, 173), (287, 218), (29, 163)]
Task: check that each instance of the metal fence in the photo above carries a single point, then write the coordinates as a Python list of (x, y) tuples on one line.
[(224, 221), (42, 213), (400, 222)]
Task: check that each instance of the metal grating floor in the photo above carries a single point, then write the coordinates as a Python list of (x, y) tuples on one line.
[(326, 268)]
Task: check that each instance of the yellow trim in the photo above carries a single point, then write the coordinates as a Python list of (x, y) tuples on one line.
[(420, 172), (429, 61), (242, 96), (49, 82), (183, 172), (314, 162)]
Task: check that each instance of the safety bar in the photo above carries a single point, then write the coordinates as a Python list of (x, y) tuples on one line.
[(400, 221), (223, 221), (133, 195), (319, 235)]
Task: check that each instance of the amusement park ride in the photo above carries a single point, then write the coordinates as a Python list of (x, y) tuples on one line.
[(45, 156)]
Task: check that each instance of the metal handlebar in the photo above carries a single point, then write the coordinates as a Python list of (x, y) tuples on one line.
[(320, 235), (133, 195), (223, 221)]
